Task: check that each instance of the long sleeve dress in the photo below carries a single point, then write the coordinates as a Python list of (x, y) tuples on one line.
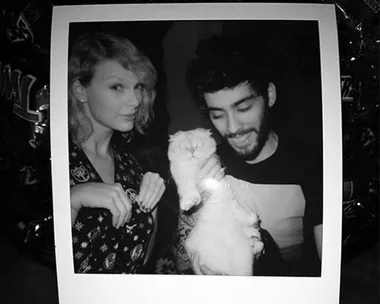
[(98, 247)]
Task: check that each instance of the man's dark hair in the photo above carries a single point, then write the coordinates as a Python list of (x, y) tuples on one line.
[(223, 62)]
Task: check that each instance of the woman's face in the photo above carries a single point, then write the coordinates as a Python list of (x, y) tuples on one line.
[(112, 98)]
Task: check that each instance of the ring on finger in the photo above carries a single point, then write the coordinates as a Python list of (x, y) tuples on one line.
[(144, 209)]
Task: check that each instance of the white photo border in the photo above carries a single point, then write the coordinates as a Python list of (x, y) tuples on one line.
[(99, 288)]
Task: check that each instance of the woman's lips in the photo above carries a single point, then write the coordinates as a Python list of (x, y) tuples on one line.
[(128, 116)]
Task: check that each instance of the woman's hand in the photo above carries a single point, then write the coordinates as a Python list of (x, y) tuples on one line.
[(151, 190), (101, 195)]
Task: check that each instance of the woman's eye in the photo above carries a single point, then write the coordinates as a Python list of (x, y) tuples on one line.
[(117, 87), (139, 87)]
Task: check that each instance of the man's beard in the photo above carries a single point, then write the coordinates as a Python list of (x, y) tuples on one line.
[(249, 154)]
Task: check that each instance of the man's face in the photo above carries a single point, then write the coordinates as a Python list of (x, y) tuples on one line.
[(241, 117)]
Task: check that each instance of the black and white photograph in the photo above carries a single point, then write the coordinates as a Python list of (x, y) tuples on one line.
[(192, 152), (230, 88), (196, 146), (189, 152)]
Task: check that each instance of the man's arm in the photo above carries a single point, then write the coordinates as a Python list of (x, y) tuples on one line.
[(318, 239)]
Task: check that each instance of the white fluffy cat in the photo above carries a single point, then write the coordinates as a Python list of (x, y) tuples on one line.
[(226, 236)]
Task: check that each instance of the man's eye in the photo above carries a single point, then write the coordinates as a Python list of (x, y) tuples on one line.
[(215, 116), (244, 109)]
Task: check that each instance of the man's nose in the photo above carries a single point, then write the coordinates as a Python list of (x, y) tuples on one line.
[(232, 124)]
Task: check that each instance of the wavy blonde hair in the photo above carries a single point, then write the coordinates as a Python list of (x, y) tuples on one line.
[(87, 52)]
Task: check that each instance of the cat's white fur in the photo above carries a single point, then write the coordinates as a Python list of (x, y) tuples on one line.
[(225, 236)]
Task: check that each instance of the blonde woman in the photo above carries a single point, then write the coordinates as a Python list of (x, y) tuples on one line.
[(111, 94)]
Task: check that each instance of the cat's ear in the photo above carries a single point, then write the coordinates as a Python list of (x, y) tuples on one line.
[(172, 137)]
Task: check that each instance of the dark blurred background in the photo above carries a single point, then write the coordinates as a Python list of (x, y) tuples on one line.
[(27, 270)]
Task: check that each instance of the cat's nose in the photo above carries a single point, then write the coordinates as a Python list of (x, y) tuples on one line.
[(192, 150)]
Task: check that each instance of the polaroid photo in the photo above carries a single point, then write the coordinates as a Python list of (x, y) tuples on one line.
[(305, 111)]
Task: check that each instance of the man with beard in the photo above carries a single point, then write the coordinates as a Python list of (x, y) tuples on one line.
[(278, 178)]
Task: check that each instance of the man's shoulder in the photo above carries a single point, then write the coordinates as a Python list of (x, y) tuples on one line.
[(298, 150), (301, 156), (288, 164)]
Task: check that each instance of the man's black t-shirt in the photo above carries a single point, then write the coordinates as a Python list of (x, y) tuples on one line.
[(286, 191)]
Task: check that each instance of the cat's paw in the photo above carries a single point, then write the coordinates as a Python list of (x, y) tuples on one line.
[(252, 232), (253, 220), (257, 247), (190, 200), (255, 239), (246, 217)]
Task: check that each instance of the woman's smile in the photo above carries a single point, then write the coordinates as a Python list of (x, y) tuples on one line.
[(128, 116)]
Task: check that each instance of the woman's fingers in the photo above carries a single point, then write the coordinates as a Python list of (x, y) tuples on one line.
[(144, 188), (123, 205), (127, 204), (112, 207), (155, 197), (151, 190), (101, 195), (120, 205)]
